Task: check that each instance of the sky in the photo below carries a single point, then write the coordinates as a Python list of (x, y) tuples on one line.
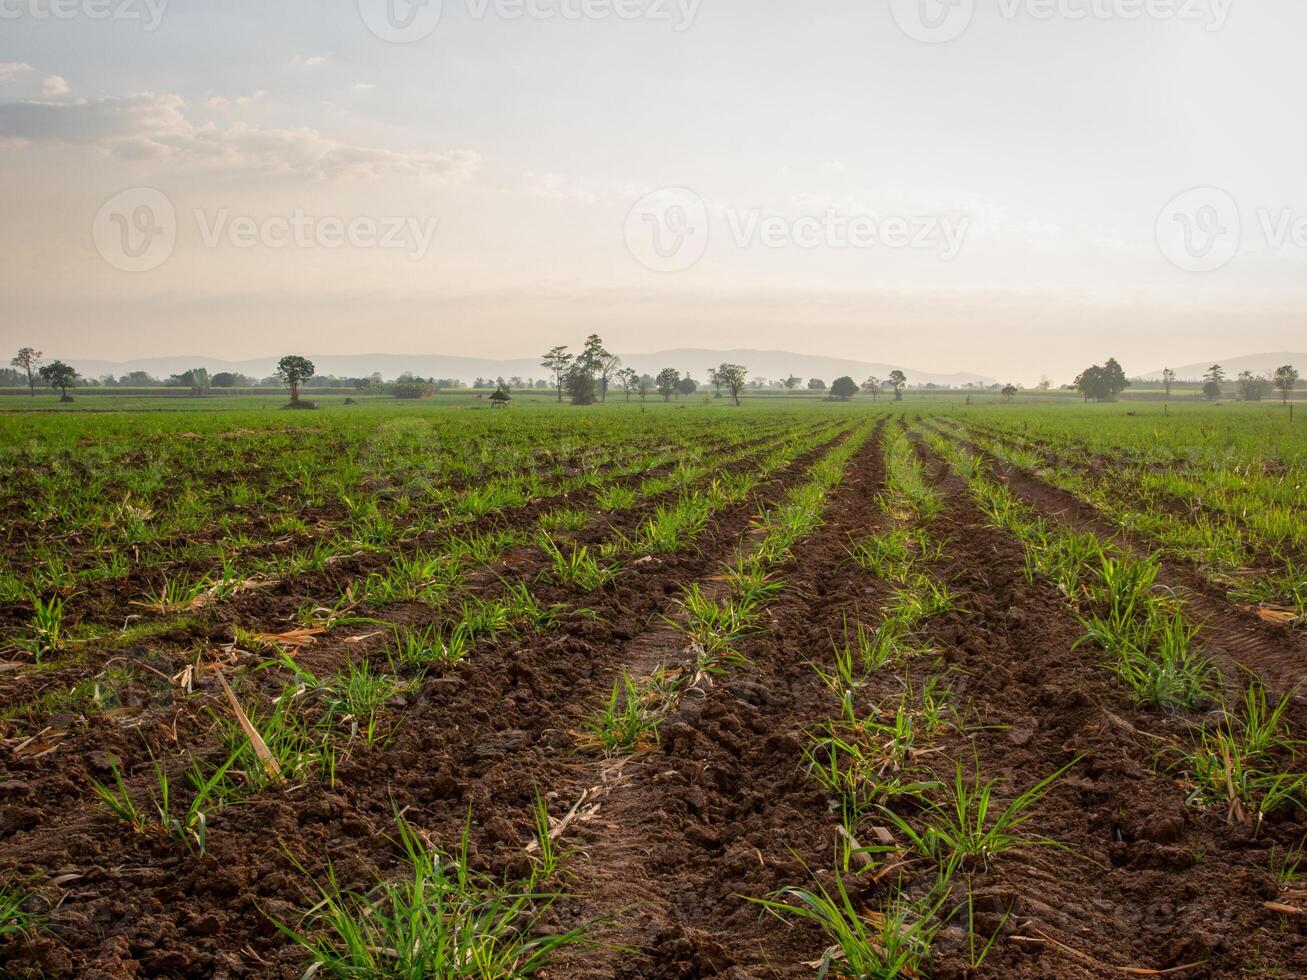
[(1012, 187)]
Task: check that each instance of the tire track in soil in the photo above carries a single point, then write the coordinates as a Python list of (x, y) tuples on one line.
[(1233, 637), (471, 742), (1150, 883), (681, 834)]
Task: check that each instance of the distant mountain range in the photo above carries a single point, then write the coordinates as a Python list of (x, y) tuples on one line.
[(1256, 363), (760, 364)]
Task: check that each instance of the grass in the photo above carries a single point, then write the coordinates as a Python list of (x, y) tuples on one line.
[(189, 826), (625, 722), (576, 567), (969, 828), (47, 630), (894, 554), (880, 945), (295, 750), (15, 919), (546, 858), (359, 692), (118, 801), (714, 627), (439, 918), (1245, 760), (419, 648)]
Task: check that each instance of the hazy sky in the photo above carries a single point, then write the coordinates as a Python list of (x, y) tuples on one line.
[(987, 185)]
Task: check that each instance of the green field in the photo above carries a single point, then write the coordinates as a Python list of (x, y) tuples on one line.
[(249, 651)]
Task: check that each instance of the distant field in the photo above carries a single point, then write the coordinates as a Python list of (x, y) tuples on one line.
[(697, 655)]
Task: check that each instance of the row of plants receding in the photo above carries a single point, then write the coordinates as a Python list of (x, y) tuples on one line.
[(275, 749), (1240, 758), (715, 620), (916, 832), (438, 579), (1221, 530), (297, 737), (368, 523), (180, 596)]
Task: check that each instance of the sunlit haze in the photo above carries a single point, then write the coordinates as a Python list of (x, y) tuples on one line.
[(833, 178)]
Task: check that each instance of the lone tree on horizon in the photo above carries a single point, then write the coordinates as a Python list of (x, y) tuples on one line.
[(1212, 385), (668, 382), (732, 377), (294, 370), (1286, 376), (1168, 381), (1103, 383), (628, 378), (843, 388), (898, 380), (872, 386), (59, 375), (28, 358), (558, 361)]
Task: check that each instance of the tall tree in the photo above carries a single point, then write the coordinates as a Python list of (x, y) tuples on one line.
[(1252, 386), (1212, 383), (557, 361), (28, 358), (872, 386), (843, 388), (628, 378), (294, 370), (580, 386), (592, 354), (716, 384), (667, 381), (196, 379), (898, 380), (732, 377), (609, 364), (1286, 376), (792, 382), (687, 385), (1089, 381), (59, 375), (1168, 381), (1114, 379)]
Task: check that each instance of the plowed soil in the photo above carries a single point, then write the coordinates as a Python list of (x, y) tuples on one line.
[(670, 844)]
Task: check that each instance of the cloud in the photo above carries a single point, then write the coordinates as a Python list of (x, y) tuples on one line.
[(146, 126), (55, 85), (364, 86), (9, 69), (561, 187), (311, 61), (223, 103)]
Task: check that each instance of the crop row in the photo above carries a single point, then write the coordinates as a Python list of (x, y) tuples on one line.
[(1217, 537), (1242, 760)]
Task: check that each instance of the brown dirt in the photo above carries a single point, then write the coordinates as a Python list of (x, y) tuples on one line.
[(720, 810)]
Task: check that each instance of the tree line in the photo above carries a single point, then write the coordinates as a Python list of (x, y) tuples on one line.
[(587, 376)]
